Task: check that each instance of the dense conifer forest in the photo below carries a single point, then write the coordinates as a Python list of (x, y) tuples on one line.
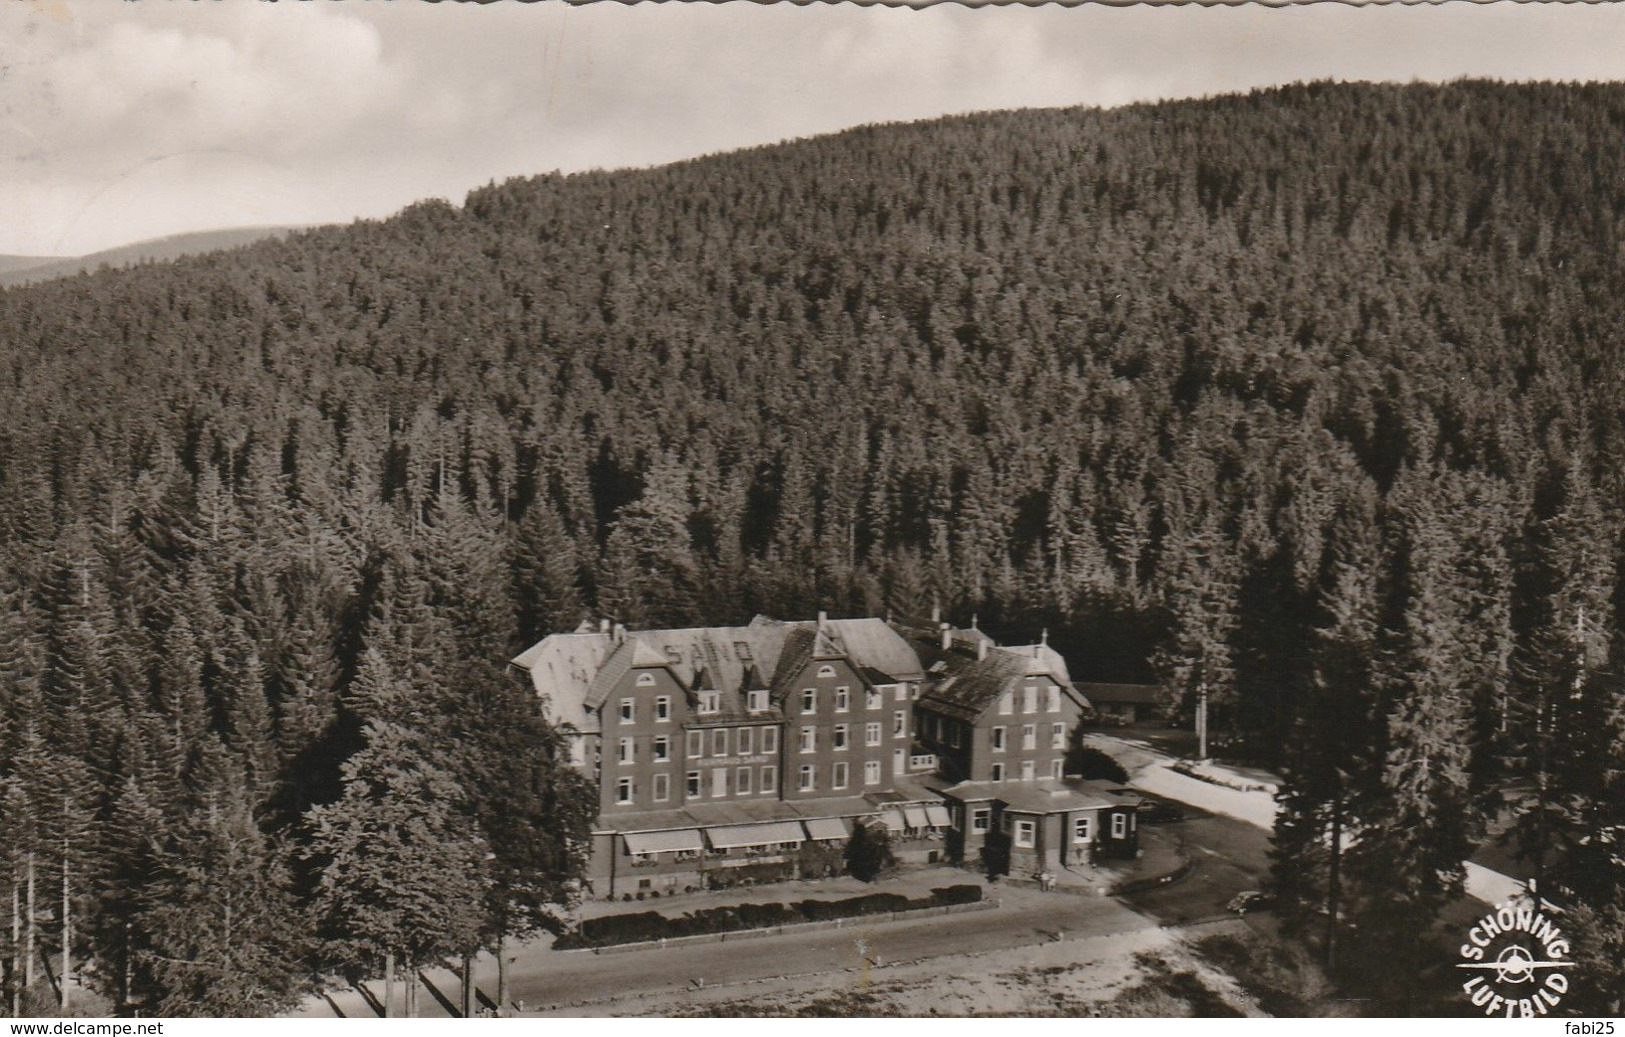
[(1309, 400)]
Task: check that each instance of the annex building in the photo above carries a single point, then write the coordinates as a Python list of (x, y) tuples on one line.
[(750, 753)]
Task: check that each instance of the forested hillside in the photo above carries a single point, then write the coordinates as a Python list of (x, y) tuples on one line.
[(1310, 399)]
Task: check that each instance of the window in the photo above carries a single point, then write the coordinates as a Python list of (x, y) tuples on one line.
[(1029, 736), (742, 649), (979, 819), (662, 748), (838, 778), (710, 701), (902, 693), (871, 733), (843, 699), (769, 779), (696, 744), (742, 781), (673, 656), (662, 787), (998, 772), (807, 783), (840, 736), (745, 741), (1027, 770), (1055, 766), (1080, 829), (873, 699), (998, 739), (627, 751), (1057, 736), (694, 783), (871, 772), (629, 709), (623, 790), (719, 742), (1052, 699), (826, 671), (1025, 832), (756, 701), (809, 739), (1007, 703), (1029, 699), (809, 700), (899, 723), (1119, 825), (719, 783), (770, 740), (953, 734), (663, 708), (646, 680)]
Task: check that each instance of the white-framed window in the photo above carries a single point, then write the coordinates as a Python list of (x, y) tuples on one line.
[(826, 671), (1055, 767), (807, 780), (663, 708), (1081, 829), (662, 748), (756, 701), (902, 693), (696, 744), (710, 701), (839, 777), (871, 733), (1027, 770), (1052, 698), (627, 751), (1029, 736), (770, 740), (719, 742), (871, 772), (839, 736), (980, 818), (693, 783), (742, 781), (1057, 736), (1029, 699), (646, 680), (623, 790), (662, 788), (745, 739), (1119, 825), (809, 700), (899, 723), (843, 699), (719, 783), (998, 739), (809, 739), (629, 711), (873, 699), (1007, 704), (998, 772), (770, 779), (1026, 833)]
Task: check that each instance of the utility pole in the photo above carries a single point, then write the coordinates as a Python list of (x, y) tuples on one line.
[(1201, 720)]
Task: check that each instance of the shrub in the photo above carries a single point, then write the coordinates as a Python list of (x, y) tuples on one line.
[(960, 894), (645, 925), (868, 854), (1095, 765)]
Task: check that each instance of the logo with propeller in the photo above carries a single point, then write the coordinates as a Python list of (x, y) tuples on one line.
[(1516, 960)]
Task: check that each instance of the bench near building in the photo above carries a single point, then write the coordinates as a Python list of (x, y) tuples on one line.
[(731, 753)]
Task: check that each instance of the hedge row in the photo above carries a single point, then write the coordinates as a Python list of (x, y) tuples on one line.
[(652, 925)]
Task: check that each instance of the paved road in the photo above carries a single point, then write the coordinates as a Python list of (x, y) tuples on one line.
[(1227, 857)]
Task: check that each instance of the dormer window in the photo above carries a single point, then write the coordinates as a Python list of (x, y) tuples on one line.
[(673, 656), (710, 701), (742, 649), (756, 701)]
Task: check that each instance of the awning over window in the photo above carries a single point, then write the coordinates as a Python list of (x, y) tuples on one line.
[(726, 837), (657, 842), (826, 828), (915, 816), (937, 814), (893, 819)]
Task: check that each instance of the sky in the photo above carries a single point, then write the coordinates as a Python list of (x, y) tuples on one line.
[(123, 122)]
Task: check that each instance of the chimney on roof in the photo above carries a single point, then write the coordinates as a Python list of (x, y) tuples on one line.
[(947, 635), (936, 612), (823, 619), (1043, 642), (973, 621), (981, 648), (603, 625), (620, 633)]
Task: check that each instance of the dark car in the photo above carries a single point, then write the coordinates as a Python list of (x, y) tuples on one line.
[(1154, 811), (1250, 900)]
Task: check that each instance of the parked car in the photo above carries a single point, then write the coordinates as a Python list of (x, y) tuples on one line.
[(1159, 810), (1250, 900)]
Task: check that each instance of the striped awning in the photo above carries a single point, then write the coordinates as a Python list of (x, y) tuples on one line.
[(893, 819), (657, 842), (915, 816), (937, 814), (826, 828), (726, 837)]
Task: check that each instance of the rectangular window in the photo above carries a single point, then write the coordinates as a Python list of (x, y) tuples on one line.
[(693, 784), (756, 701), (872, 698), (998, 739), (627, 751), (979, 819), (769, 779), (742, 649), (1029, 699), (1029, 736), (662, 787), (1027, 770), (843, 699), (1080, 829), (719, 742), (1007, 703), (710, 701), (663, 708), (901, 694), (1057, 736), (998, 772), (623, 790), (770, 740), (840, 736), (745, 739), (806, 784), (742, 781), (953, 734), (696, 744), (1025, 833), (899, 723), (1119, 825), (719, 782), (1055, 766), (809, 739), (809, 700), (662, 748), (629, 710), (871, 733), (1052, 699), (838, 778), (871, 772)]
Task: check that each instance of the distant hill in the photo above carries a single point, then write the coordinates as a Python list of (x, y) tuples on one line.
[(15, 270)]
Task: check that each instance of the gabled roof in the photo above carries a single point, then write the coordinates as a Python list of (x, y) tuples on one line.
[(972, 685), (562, 668)]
